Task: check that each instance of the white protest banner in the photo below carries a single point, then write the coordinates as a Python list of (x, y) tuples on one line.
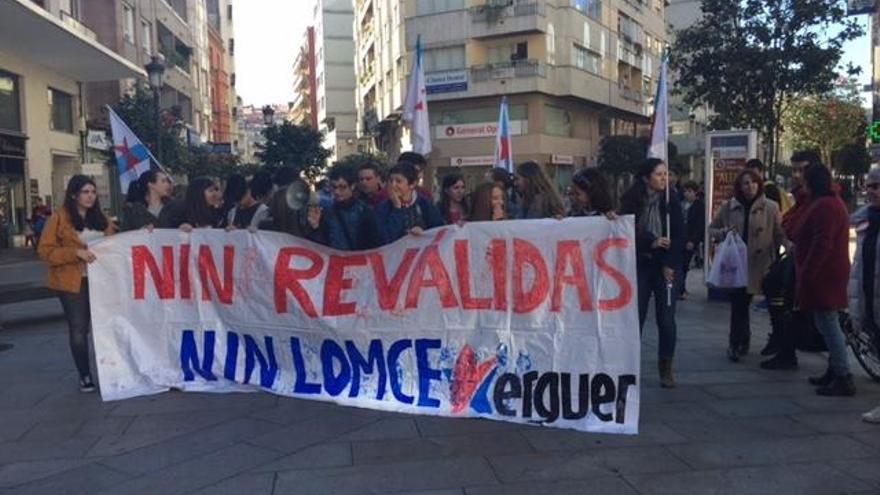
[(523, 321)]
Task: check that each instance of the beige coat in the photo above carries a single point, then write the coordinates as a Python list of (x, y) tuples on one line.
[(765, 234)]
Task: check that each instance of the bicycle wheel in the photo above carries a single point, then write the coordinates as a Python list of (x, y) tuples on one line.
[(862, 344)]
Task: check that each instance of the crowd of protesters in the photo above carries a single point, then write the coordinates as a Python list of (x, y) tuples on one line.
[(802, 246)]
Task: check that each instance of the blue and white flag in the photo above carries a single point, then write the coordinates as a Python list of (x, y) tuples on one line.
[(415, 108), (132, 157), (503, 139)]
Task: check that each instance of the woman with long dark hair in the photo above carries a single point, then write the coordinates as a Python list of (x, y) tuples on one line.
[(540, 199), (590, 194), (659, 252), (146, 199), (489, 203), (452, 204), (758, 222), (64, 246), (821, 260)]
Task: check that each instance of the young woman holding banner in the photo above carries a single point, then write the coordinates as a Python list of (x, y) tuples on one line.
[(64, 247), (659, 249)]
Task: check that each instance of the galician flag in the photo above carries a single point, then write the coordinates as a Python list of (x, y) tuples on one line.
[(660, 122), (132, 157), (415, 109), (503, 141)]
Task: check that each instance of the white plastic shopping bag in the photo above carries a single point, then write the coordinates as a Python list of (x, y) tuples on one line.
[(730, 268)]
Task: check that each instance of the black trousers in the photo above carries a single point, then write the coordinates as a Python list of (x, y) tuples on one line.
[(740, 333), (79, 321)]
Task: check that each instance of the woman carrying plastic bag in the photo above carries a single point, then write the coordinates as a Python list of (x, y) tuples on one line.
[(751, 228)]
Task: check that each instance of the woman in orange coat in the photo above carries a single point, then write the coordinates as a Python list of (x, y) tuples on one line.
[(64, 246)]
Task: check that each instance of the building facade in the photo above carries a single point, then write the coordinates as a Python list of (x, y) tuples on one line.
[(334, 75), (574, 71), (304, 107), (47, 57)]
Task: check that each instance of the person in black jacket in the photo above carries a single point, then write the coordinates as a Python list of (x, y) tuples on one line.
[(348, 224), (659, 249), (694, 213)]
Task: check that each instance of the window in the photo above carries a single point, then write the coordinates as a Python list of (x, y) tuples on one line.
[(128, 23), (591, 8), (61, 110), (557, 121), (10, 109), (439, 59), (425, 7), (147, 34), (586, 59)]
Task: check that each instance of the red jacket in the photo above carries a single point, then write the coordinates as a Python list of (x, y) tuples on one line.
[(819, 229)]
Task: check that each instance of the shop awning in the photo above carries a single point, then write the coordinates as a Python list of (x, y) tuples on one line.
[(63, 46)]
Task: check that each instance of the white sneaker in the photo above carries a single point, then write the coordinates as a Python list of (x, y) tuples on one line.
[(872, 416)]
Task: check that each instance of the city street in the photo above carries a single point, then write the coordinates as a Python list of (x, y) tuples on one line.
[(729, 428)]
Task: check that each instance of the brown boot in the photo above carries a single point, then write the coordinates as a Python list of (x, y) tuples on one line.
[(665, 368)]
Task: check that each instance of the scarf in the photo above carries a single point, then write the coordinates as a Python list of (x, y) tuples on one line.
[(651, 220)]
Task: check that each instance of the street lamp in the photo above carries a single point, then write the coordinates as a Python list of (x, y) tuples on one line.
[(268, 115), (155, 73)]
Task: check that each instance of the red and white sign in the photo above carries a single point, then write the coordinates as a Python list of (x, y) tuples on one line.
[(482, 130), (472, 161)]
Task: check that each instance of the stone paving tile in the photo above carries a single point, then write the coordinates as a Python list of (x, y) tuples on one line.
[(433, 426), (85, 480), (71, 448), (392, 428), (188, 446), (777, 451), (326, 428), (750, 408), (385, 479), (598, 486), (585, 465), (867, 470), (457, 446), (20, 473), (551, 440), (197, 473), (794, 479), (324, 455), (249, 483), (735, 430), (835, 422), (768, 389)]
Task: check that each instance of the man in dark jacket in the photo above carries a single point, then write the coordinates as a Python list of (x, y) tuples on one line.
[(348, 224), (695, 229), (406, 211)]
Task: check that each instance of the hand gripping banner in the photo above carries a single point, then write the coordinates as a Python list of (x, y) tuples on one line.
[(523, 321)]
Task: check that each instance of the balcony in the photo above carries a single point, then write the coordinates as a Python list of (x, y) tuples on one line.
[(491, 19), (506, 70)]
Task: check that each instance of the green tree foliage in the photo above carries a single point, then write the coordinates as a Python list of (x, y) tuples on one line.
[(826, 124), (746, 59), (301, 147), (621, 155)]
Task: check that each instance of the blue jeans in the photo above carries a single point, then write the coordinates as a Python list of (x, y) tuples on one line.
[(838, 355), (652, 282)]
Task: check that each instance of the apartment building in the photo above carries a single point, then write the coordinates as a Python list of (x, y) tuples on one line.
[(47, 58), (574, 71), (304, 108), (325, 90)]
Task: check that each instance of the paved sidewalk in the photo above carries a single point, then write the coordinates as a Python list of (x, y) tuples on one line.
[(728, 429)]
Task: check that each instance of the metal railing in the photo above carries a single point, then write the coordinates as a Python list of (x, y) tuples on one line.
[(506, 70)]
